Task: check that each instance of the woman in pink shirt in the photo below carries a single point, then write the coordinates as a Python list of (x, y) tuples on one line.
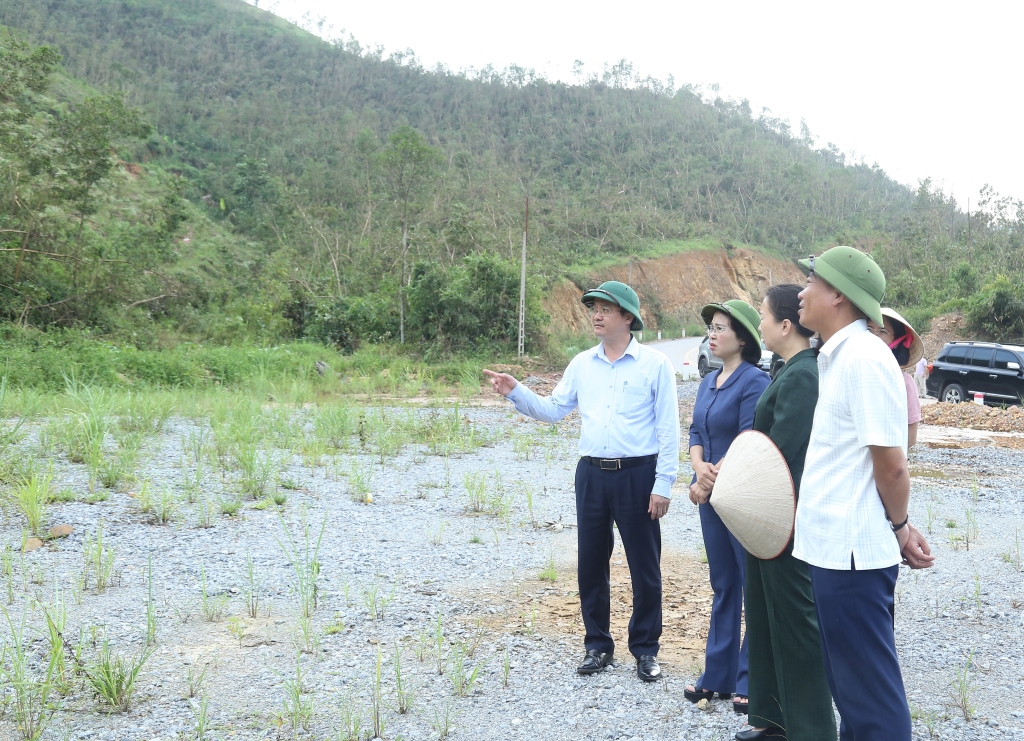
[(907, 347)]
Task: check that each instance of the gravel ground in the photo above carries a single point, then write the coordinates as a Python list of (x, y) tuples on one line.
[(420, 551)]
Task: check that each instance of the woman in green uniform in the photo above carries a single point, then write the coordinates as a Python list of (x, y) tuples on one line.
[(789, 695)]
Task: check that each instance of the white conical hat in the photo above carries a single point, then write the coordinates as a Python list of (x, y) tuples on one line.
[(754, 495)]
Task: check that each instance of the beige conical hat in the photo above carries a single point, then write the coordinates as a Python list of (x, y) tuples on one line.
[(754, 495), (916, 345)]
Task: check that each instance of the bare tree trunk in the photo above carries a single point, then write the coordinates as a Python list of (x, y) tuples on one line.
[(401, 285)]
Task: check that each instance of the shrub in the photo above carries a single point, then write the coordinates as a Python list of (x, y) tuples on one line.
[(345, 322), (998, 309), (472, 304)]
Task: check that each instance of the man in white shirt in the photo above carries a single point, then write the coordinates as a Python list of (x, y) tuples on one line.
[(852, 526), (920, 374), (629, 448)]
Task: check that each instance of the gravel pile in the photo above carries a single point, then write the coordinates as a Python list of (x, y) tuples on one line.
[(974, 416), (418, 556)]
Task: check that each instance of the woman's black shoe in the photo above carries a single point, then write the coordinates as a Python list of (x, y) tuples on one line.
[(698, 693), (752, 734)]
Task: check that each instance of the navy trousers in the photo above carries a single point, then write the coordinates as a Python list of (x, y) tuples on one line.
[(855, 616), (725, 658), (622, 497)]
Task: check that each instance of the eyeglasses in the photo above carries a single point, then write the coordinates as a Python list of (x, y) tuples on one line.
[(880, 331), (605, 310), (717, 329)]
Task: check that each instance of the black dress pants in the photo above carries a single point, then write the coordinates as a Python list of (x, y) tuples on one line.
[(622, 497)]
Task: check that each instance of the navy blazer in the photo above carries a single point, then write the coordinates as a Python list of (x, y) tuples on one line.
[(720, 414)]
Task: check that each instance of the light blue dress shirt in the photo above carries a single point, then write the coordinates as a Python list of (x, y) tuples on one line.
[(628, 407)]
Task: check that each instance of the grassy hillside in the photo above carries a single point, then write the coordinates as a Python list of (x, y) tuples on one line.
[(318, 154), (90, 240), (288, 132), (607, 166)]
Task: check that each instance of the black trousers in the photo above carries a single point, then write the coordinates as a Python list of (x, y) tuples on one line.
[(622, 497)]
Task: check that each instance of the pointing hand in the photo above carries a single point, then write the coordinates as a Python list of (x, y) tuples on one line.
[(503, 383)]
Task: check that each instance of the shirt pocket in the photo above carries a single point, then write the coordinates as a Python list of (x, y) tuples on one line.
[(831, 421), (634, 400)]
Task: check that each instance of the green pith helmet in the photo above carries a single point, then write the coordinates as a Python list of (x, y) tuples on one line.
[(855, 275), (619, 294), (741, 311)]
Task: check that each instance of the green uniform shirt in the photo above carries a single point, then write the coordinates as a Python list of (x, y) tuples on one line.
[(785, 410)]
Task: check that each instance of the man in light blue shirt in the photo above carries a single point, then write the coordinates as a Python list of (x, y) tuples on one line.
[(629, 448)]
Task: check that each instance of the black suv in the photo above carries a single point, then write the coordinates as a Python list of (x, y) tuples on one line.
[(964, 369)]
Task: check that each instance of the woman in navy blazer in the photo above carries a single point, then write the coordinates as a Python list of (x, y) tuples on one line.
[(723, 409)]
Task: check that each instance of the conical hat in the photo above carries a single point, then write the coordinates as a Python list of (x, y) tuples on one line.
[(754, 495), (916, 345)]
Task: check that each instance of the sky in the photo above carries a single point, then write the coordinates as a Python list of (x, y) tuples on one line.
[(924, 89)]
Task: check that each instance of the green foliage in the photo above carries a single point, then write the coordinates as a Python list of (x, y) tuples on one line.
[(343, 322), (309, 175), (44, 360), (941, 259), (998, 309), (474, 303), (408, 164), (345, 168), (54, 267)]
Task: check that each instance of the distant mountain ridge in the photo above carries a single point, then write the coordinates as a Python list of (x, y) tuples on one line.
[(607, 167), (284, 140)]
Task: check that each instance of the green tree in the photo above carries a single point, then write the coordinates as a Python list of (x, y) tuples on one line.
[(256, 196), (24, 68), (408, 165), (84, 140)]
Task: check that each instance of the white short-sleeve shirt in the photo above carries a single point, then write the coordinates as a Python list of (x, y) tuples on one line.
[(861, 402)]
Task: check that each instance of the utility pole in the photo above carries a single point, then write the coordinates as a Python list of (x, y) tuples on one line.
[(522, 284)]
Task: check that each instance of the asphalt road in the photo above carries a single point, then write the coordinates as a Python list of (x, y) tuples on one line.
[(679, 352)]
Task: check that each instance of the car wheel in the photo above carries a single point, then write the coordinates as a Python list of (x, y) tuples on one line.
[(702, 366), (953, 393)]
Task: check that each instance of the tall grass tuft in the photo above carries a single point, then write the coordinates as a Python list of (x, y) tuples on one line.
[(118, 471), (33, 496), (8, 435), (26, 691), (99, 560), (56, 619), (113, 677), (334, 425), (259, 470), (304, 555), (359, 483), (298, 704), (476, 491)]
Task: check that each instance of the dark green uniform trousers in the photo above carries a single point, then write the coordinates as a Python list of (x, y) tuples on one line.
[(788, 687)]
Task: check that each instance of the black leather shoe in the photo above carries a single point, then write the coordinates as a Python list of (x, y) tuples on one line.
[(752, 734), (594, 662), (647, 668)]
